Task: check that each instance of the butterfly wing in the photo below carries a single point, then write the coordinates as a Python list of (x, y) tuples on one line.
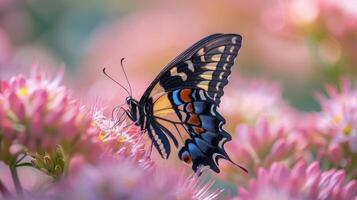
[(206, 65), (184, 98)]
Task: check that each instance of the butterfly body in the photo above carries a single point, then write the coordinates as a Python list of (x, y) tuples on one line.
[(135, 112), (179, 108)]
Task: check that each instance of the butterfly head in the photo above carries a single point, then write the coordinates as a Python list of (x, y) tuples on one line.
[(133, 111)]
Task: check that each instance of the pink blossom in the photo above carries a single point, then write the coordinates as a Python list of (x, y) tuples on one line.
[(123, 179), (40, 119), (251, 100), (338, 118), (260, 146), (39, 114), (332, 132), (300, 182), (120, 140)]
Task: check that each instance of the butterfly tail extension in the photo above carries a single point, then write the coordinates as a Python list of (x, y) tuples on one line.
[(230, 160)]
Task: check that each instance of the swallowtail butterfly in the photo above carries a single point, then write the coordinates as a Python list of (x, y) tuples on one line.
[(179, 108)]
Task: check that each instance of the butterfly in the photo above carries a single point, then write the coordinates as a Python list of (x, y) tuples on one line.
[(179, 108)]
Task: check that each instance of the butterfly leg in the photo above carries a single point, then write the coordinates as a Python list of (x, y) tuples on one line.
[(150, 150)]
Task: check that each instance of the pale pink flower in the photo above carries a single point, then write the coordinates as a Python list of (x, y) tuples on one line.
[(338, 117), (321, 147), (251, 100), (38, 118), (260, 146), (301, 182), (39, 114), (110, 140), (123, 179), (120, 140), (332, 131)]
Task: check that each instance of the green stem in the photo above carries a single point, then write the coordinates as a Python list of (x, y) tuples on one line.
[(3, 189), (16, 179), (65, 159)]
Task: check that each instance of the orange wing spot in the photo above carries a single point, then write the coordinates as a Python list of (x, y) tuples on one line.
[(198, 130), (189, 107), (186, 158), (194, 120), (185, 95)]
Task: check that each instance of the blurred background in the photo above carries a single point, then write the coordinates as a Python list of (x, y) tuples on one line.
[(290, 50), (299, 44)]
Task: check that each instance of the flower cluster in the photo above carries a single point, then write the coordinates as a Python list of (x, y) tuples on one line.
[(88, 155), (37, 115), (251, 100), (41, 120), (300, 182), (261, 145), (123, 179), (120, 140), (334, 133), (339, 115)]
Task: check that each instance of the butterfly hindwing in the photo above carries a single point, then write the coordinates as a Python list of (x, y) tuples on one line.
[(202, 133), (204, 125)]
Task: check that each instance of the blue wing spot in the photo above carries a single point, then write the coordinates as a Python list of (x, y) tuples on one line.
[(194, 97), (203, 145), (209, 137), (175, 97), (199, 106), (208, 123), (194, 151)]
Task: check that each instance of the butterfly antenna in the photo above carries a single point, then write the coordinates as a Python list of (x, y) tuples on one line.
[(126, 77), (105, 73)]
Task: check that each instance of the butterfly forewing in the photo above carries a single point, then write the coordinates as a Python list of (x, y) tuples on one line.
[(207, 68)]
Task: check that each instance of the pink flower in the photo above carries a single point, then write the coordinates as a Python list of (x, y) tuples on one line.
[(318, 144), (338, 118), (260, 146), (39, 114), (110, 140), (299, 183), (39, 118), (120, 140), (254, 99), (332, 131), (123, 179)]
